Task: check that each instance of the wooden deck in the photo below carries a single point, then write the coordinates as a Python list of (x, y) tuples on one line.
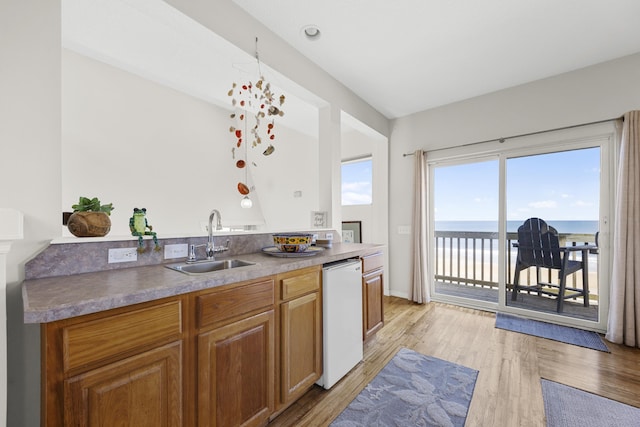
[(526, 301), (549, 305), (508, 391)]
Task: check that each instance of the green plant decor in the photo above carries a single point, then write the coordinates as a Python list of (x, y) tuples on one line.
[(86, 204)]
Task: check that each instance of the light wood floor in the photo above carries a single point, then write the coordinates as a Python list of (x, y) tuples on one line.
[(507, 392)]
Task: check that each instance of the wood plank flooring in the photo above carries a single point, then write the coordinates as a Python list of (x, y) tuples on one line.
[(508, 391)]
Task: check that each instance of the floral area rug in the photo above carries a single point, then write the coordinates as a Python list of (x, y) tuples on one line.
[(413, 390)]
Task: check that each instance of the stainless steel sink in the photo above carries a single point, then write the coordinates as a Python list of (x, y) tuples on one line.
[(203, 267)]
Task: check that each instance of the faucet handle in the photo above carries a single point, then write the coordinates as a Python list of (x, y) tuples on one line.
[(218, 249)]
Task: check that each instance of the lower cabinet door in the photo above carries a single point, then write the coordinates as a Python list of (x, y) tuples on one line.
[(373, 308), (144, 390), (301, 345), (236, 373)]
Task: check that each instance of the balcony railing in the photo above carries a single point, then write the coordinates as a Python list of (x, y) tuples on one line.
[(471, 258)]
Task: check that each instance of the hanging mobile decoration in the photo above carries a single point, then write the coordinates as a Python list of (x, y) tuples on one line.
[(257, 104)]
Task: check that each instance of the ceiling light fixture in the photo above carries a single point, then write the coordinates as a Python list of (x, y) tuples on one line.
[(311, 32)]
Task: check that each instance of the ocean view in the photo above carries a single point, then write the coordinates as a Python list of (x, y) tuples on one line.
[(563, 227)]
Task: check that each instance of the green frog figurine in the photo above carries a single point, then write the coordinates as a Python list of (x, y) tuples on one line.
[(138, 225)]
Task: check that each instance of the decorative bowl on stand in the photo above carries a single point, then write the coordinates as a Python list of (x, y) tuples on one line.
[(292, 242)]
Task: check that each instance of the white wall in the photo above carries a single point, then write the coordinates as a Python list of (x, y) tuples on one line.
[(294, 166), (374, 217), (595, 93), (29, 173), (231, 22), (135, 143)]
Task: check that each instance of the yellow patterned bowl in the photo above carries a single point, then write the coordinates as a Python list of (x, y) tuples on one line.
[(292, 242)]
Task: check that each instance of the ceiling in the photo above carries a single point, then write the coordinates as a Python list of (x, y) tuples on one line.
[(406, 56), (153, 40), (400, 56)]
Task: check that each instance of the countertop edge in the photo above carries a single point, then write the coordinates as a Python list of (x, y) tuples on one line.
[(51, 299)]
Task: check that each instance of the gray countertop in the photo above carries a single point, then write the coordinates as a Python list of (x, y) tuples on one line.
[(55, 298)]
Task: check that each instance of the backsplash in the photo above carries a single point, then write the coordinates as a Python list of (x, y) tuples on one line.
[(63, 259)]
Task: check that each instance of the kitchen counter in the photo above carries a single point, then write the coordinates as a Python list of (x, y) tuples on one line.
[(56, 298)]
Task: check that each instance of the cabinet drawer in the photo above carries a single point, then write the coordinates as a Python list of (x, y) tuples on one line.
[(217, 307), (100, 339), (299, 282), (372, 262)]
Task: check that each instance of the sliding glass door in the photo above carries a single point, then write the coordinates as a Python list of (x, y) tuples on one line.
[(562, 189), (465, 199), (479, 197)]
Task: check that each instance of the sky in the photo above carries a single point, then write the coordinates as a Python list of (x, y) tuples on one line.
[(556, 186), (356, 182)]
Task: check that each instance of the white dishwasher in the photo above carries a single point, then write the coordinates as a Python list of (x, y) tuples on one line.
[(342, 319)]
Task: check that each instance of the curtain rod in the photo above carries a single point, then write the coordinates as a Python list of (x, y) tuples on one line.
[(503, 139)]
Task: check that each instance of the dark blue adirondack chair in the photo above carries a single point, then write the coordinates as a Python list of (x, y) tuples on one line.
[(539, 247)]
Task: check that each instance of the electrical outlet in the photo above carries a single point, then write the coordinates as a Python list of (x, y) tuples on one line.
[(122, 255), (328, 236), (404, 229), (180, 250)]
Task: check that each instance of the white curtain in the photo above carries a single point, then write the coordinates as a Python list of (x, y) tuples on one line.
[(419, 288), (624, 310)]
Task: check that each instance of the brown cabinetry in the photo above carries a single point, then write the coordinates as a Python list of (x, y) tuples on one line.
[(236, 355), (300, 332), (123, 367), (372, 294), (141, 390)]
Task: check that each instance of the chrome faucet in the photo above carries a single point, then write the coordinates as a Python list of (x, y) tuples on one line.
[(211, 248)]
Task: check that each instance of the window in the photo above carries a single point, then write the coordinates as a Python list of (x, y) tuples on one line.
[(357, 178)]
